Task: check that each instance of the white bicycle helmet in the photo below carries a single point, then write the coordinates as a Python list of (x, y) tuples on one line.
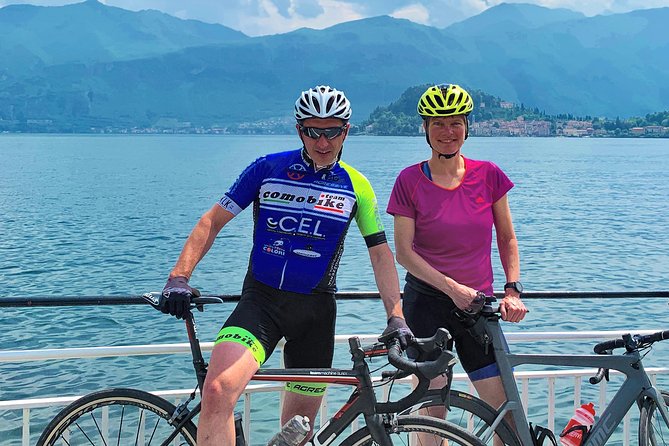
[(322, 102)]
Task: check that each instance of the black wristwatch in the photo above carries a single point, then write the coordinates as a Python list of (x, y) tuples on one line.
[(515, 286)]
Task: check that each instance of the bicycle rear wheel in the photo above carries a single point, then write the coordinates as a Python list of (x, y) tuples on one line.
[(116, 417), (417, 431), (653, 431), (468, 412)]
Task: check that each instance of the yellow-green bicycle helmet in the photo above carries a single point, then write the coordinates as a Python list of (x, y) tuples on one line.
[(445, 100)]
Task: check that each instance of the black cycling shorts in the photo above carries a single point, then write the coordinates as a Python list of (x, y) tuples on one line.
[(265, 315), (426, 309)]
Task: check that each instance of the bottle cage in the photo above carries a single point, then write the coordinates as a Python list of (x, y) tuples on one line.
[(540, 434)]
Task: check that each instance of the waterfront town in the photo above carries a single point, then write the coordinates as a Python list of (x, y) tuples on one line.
[(567, 128)]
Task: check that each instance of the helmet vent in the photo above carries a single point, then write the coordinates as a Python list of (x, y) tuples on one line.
[(322, 102), (445, 100)]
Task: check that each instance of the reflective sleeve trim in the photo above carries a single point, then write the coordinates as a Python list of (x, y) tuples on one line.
[(376, 239), (229, 205), (304, 388), (243, 337)]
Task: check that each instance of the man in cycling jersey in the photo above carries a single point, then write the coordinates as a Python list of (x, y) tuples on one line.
[(303, 202)]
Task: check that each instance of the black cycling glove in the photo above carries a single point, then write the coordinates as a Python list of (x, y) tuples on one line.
[(397, 328), (176, 296)]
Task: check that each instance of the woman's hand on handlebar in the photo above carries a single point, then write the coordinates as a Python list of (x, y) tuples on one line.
[(463, 296), (512, 308)]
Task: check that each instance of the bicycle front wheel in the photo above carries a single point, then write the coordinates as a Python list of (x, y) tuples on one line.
[(653, 431), (417, 431), (116, 417), (468, 412)]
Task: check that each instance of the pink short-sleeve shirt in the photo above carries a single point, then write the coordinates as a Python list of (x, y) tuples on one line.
[(453, 231)]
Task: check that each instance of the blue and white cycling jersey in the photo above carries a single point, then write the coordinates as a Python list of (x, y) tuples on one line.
[(301, 217)]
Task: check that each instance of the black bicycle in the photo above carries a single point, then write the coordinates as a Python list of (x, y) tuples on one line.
[(123, 416)]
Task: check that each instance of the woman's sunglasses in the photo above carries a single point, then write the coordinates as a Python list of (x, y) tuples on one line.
[(315, 132)]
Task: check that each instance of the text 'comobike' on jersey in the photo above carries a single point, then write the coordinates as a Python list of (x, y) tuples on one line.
[(301, 198)]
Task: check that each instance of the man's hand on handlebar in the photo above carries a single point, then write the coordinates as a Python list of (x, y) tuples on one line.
[(397, 328), (176, 297)]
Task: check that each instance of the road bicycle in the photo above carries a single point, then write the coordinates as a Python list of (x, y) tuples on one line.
[(637, 388), (123, 416)]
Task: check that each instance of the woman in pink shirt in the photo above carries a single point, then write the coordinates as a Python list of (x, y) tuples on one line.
[(444, 211)]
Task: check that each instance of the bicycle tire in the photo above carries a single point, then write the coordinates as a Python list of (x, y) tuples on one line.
[(405, 425), (653, 431), (116, 416), (470, 413)]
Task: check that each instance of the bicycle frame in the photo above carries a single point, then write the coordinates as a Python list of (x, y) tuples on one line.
[(635, 388), (362, 400)]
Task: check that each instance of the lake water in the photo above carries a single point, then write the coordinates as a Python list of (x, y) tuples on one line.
[(108, 215)]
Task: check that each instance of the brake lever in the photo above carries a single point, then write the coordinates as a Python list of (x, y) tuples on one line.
[(152, 300)]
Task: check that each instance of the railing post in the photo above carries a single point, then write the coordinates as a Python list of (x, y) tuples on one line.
[(26, 427), (602, 396), (247, 417), (551, 403), (577, 392), (525, 393)]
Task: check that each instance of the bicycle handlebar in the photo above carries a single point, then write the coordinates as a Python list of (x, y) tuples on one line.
[(630, 343), (424, 370), (429, 369), (600, 375), (153, 299)]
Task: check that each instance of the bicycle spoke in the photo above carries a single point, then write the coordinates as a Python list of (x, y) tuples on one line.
[(120, 428), (95, 421), (85, 435), (153, 432), (139, 427)]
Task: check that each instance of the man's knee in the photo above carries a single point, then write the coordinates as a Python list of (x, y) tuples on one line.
[(231, 367)]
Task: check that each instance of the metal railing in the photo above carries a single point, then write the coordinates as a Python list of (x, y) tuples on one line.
[(62, 301), (524, 377)]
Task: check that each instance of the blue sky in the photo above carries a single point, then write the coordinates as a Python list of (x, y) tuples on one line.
[(260, 17)]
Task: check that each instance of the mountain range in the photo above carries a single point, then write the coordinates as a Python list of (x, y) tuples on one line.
[(89, 64)]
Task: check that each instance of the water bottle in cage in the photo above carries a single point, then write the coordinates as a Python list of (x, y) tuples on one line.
[(573, 433), (292, 433)]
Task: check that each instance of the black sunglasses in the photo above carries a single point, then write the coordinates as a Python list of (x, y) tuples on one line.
[(315, 132)]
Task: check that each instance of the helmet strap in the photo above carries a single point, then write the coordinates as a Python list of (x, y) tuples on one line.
[(446, 156), (307, 159)]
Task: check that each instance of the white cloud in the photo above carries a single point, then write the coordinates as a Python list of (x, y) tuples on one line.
[(416, 13), (270, 21)]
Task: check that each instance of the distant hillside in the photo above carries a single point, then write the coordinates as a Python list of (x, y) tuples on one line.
[(88, 65), (34, 37), (401, 118)]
